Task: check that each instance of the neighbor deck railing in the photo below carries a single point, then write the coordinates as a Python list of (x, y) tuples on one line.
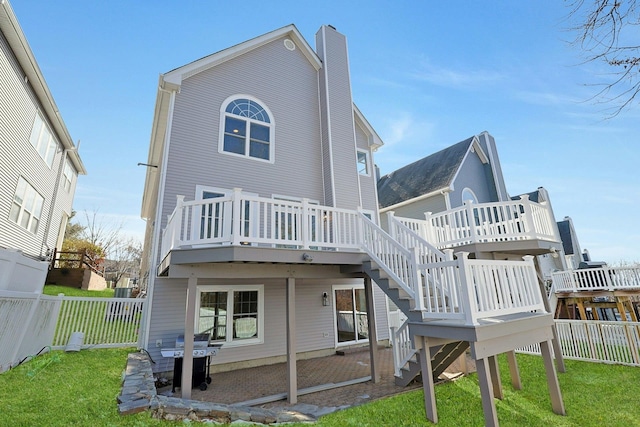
[(487, 222), (597, 279)]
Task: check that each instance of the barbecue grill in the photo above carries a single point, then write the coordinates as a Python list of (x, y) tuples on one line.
[(202, 352)]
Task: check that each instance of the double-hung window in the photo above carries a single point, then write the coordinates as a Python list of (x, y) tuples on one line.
[(246, 129), (42, 140), (26, 208), (68, 175), (233, 315)]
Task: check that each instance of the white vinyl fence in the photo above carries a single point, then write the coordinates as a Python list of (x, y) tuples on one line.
[(597, 341), (27, 324), (31, 322)]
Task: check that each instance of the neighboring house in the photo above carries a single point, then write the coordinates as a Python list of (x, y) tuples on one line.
[(39, 164), (261, 209), (460, 197)]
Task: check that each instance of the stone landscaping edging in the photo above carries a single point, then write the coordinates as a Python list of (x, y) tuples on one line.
[(138, 394)]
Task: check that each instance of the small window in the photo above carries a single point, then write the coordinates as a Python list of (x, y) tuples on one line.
[(68, 175), (363, 163), (26, 208), (231, 315), (247, 129), (42, 140)]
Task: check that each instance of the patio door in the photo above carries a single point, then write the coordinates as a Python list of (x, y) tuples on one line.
[(351, 318)]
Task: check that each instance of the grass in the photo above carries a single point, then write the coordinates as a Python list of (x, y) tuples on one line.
[(75, 292), (67, 389)]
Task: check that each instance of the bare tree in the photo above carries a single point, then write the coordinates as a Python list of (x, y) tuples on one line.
[(124, 260), (101, 232), (607, 31)]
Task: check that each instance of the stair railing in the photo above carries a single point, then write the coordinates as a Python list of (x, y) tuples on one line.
[(397, 262), (403, 348)]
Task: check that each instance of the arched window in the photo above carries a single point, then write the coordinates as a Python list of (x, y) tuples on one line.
[(468, 195), (246, 128)]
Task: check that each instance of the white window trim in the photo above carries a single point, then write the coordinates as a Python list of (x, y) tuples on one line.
[(334, 288), (271, 125), (467, 189), (52, 144), (68, 175), (34, 193), (368, 160), (230, 289)]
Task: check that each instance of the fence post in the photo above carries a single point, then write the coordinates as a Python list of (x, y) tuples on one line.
[(467, 289)]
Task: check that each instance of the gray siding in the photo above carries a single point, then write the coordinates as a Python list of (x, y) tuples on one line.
[(337, 96), (286, 83), (18, 107), (476, 176), (488, 144), (367, 183), (417, 209), (314, 322)]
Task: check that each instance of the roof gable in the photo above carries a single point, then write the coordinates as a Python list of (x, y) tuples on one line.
[(177, 75), (432, 173)]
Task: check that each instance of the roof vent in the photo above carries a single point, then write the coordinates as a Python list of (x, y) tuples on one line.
[(289, 44)]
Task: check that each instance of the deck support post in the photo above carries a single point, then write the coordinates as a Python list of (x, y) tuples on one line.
[(292, 374), (486, 392), (373, 337), (495, 377), (552, 379), (513, 370), (427, 380), (189, 322), (557, 350)]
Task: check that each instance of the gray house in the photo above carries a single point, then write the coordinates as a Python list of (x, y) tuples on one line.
[(39, 164), (266, 127), (263, 232), (459, 198)]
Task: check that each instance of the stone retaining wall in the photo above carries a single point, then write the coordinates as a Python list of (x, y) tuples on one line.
[(139, 394)]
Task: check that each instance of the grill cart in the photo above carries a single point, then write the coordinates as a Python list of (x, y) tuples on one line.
[(202, 352)]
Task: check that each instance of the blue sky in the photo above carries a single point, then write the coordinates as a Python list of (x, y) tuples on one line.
[(426, 75)]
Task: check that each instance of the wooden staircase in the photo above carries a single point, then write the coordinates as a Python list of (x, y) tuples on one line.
[(487, 306)]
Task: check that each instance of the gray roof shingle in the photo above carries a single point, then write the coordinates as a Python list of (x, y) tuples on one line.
[(424, 176)]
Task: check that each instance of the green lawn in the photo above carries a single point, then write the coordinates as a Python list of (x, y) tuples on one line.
[(80, 389), (75, 292)]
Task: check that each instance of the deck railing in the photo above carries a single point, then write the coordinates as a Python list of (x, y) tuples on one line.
[(597, 279), (243, 219), (487, 222), (439, 285), (403, 347)]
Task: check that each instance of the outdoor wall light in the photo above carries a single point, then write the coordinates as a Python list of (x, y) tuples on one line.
[(325, 299), (306, 257)]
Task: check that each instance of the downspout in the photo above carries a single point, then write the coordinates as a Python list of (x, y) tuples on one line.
[(54, 198), (157, 222)]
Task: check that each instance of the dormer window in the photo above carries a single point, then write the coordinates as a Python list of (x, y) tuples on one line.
[(247, 129)]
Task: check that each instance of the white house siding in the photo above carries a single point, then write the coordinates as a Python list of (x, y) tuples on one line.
[(337, 94), (286, 83), (475, 175), (18, 107), (314, 322)]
